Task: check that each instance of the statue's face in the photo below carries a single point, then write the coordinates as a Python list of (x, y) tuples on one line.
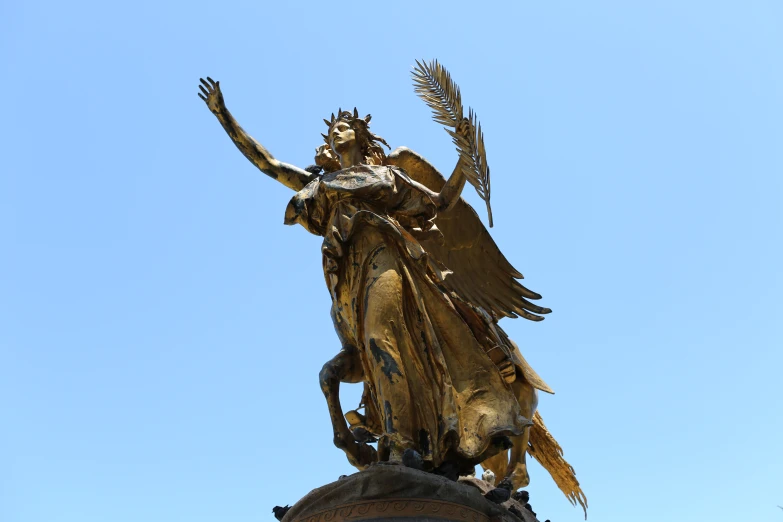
[(323, 155), (342, 137)]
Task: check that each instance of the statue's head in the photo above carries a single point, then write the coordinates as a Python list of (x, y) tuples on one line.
[(348, 131), (326, 158)]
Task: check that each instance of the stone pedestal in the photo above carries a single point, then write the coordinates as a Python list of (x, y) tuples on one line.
[(395, 493)]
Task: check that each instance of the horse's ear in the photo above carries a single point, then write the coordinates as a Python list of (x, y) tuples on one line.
[(368, 118)]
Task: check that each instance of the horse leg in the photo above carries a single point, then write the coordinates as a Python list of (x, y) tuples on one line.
[(517, 467), (497, 464), (344, 367)]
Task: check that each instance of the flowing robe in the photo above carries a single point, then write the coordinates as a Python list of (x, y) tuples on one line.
[(430, 381)]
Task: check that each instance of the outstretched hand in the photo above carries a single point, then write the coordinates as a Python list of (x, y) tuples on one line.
[(210, 93)]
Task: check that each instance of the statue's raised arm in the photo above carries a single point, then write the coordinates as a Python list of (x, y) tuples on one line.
[(418, 287), (289, 175)]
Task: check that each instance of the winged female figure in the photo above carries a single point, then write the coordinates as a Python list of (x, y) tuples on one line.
[(417, 287)]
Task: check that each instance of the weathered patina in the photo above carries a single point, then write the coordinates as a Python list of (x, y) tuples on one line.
[(418, 287)]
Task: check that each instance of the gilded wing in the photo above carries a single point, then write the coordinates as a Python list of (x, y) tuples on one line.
[(480, 274)]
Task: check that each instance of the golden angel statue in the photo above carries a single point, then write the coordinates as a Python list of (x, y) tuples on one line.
[(418, 287)]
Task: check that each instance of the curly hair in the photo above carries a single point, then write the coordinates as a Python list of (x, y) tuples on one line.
[(369, 143)]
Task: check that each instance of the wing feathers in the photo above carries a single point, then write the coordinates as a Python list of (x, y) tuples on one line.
[(481, 274)]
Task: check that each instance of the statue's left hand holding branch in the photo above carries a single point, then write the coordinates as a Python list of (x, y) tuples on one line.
[(289, 175), (452, 189)]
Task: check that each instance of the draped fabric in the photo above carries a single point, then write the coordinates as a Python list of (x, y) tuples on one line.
[(433, 364)]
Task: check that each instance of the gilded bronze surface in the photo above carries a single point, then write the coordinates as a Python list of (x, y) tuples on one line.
[(418, 287)]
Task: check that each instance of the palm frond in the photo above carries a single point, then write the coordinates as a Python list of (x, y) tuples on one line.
[(433, 83), (480, 180)]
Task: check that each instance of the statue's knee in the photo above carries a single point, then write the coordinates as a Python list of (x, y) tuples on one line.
[(327, 376)]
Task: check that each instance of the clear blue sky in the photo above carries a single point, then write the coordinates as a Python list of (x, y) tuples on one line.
[(161, 331)]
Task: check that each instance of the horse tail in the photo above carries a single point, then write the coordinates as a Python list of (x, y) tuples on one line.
[(544, 448)]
